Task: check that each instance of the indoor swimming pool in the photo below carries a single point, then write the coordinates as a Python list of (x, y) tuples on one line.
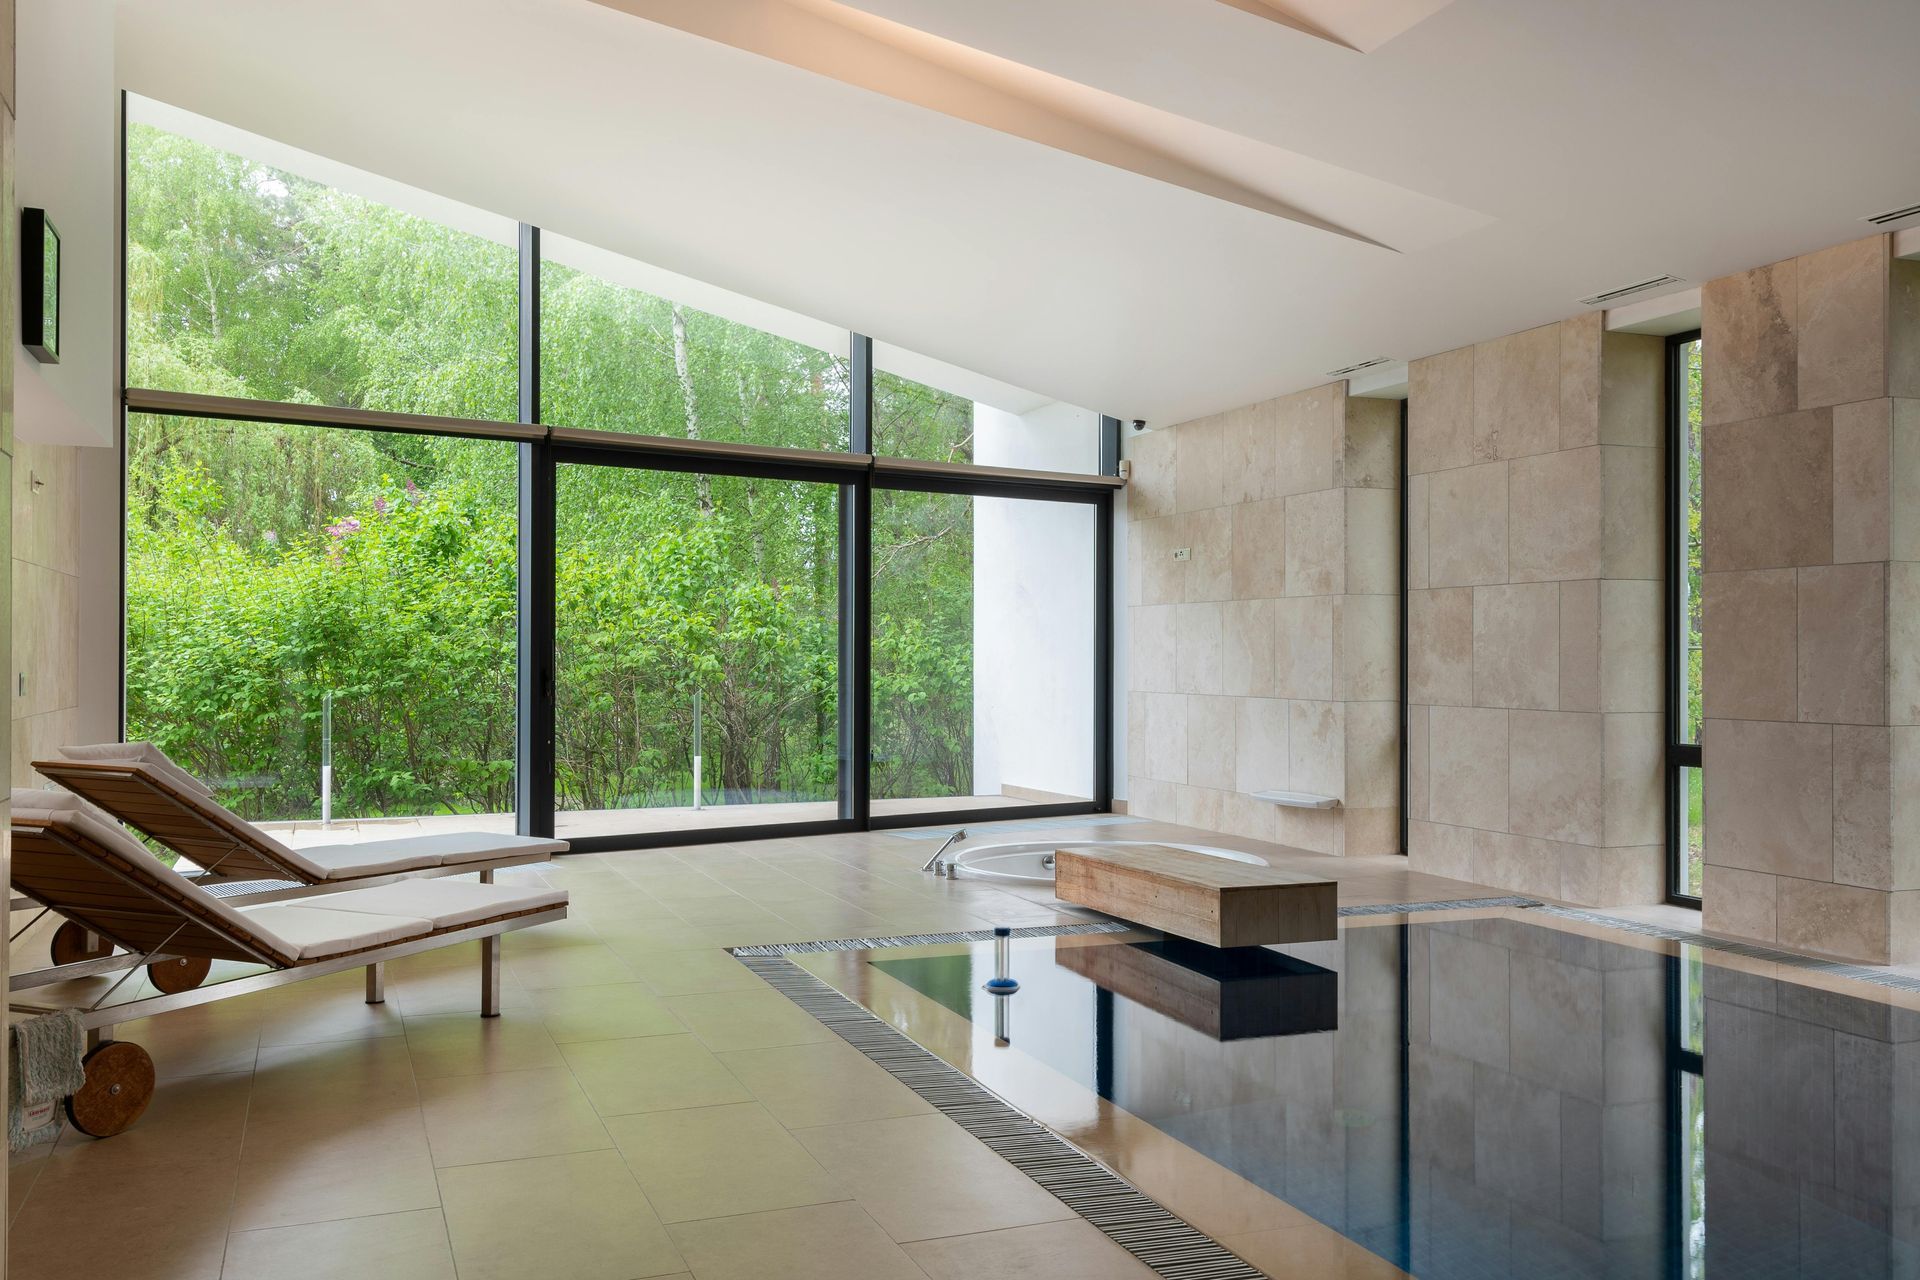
[(1456, 1097)]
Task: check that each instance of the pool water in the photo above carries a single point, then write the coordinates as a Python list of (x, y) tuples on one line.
[(1491, 1098)]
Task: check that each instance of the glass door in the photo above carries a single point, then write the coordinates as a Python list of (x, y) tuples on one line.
[(696, 640)]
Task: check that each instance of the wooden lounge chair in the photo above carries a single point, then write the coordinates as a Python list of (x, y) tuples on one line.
[(96, 875)]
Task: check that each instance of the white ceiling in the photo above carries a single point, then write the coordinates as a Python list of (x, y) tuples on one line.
[(1604, 140)]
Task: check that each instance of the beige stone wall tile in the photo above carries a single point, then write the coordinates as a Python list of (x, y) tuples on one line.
[(1581, 404), (1903, 328), (1863, 806), (1163, 579), (1202, 807), (1304, 647), (1516, 645), (1624, 876), (1372, 732), (1242, 815), (1308, 439), (1579, 646), (1904, 486), (1151, 629), (1440, 647), (1200, 648), (46, 528), (1202, 463), (1258, 533), (1737, 903), (1247, 648), (1370, 832), (1151, 798), (1842, 322), (1903, 927), (1768, 485), (1372, 444), (1634, 526), (39, 738), (1373, 542), (1440, 411), (1210, 742), (1769, 800), (1834, 919), (1418, 771), (1316, 747), (1633, 404), (1554, 516), (1260, 738), (1439, 850), (1209, 574), (1750, 625), (1256, 440), (1368, 662), (1467, 526), (1904, 800), (1632, 636), (1150, 493), (1556, 772), (1419, 577), (1635, 779), (1862, 481), (46, 639), (1315, 830), (1157, 736), (1467, 755), (1748, 324), (1518, 864), (1316, 534), (1843, 644), (1903, 642), (1516, 394)]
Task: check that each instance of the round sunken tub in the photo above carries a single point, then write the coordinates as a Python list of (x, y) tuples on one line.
[(1024, 862)]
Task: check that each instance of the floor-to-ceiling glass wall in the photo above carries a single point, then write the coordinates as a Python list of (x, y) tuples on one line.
[(427, 510), (1687, 784)]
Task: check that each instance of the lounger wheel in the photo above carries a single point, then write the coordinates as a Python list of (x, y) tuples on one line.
[(119, 1086), (180, 973), (70, 945)]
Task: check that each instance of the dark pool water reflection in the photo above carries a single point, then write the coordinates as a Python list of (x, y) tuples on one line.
[(1485, 1097)]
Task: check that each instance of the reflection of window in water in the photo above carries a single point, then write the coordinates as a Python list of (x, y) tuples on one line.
[(1687, 1025)]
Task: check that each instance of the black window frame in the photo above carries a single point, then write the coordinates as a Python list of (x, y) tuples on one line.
[(1681, 755), (544, 448)]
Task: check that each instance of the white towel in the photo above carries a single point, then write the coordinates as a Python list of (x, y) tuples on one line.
[(45, 1064)]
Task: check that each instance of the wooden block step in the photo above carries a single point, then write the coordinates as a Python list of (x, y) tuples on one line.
[(1211, 900)]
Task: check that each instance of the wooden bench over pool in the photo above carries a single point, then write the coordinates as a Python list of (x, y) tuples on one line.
[(1211, 900)]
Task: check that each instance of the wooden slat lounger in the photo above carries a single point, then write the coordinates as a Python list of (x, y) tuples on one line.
[(98, 876), (137, 784)]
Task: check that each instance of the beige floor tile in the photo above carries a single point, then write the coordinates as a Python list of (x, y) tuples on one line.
[(1073, 1250), (1311, 1253), (574, 931), (392, 1246), (925, 1176), (620, 1011), (630, 940), (299, 1015), (825, 1083), (82, 1223), (509, 1115), (458, 1044), (652, 1073), (202, 1116), (333, 1075), (821, 1242), (425, 992), (709, 1162), (747, 1020), (581, 1217), (210, 1039), (686, 973), (590, 965), (334, 1164)]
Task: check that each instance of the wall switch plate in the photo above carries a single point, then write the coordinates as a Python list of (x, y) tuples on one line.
[(1183, 553)]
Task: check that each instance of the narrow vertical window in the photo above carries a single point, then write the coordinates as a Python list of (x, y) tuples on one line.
[(1687, 824)]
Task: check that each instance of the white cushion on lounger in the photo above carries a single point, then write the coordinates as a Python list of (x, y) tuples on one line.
[(408, 853), (136, 753), (447, 903), (312, 934), (46, 801)]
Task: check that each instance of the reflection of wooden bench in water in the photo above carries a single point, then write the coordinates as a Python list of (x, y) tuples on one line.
[(1237, 994), (1191, 895)]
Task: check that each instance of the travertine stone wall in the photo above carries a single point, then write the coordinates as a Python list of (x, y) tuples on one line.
[(1263, 572), (46, 605), (1535, 536), (1810, 548)]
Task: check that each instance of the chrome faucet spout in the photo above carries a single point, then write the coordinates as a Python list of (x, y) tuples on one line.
[(933, 864)]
